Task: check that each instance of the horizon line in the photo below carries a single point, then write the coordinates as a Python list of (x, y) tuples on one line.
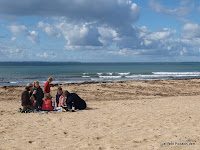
[(100, 62)]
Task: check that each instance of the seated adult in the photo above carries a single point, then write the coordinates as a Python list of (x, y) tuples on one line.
[(74, 98), (27, 103)]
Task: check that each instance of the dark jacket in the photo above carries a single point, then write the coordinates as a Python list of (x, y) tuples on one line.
[(57, 98), (78, 102), (38, 96), (25, 98)]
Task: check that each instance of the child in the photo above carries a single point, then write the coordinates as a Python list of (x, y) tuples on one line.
[(47, 103), (61, 101), (47, 86), (58, 95), (38, 94)]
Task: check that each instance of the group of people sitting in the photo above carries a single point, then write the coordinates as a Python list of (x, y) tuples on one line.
[(34, 98)]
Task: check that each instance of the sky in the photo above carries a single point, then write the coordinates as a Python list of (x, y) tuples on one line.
[(100, 30)]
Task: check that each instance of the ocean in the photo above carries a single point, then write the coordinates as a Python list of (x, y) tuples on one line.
[(20, 73)]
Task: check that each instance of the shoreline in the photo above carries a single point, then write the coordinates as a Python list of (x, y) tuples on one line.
[(97, 82)]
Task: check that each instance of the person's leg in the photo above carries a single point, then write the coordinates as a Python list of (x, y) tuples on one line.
[(82, 105), (37, 104), (41, 103), (25, 108), (28, 107)]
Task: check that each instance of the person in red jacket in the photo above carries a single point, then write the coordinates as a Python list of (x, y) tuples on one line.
[(47, 103), (47, 85)]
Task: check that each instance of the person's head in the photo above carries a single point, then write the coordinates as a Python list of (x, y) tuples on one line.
[(66, 93), (47, 96), (29, 87), (50, 79), (59, 91), (36, 84)]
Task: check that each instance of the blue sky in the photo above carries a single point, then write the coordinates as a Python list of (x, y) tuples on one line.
[(100, 30)]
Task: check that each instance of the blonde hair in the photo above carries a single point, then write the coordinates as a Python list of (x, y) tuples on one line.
[(47, 96), (34, 83), (50, 79)]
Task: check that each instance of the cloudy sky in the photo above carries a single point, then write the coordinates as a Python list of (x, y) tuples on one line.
[(100, 30)]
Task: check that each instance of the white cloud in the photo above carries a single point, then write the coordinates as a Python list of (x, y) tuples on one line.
[(165, 33), (48, 29), (126, 40), (13, 39), (122, 52), (19, 30), (113, 12), (83, 24), (103, 25), (12, 52), (184, 50), (179, 12), (47, 55), (23, 31), (33, 37), (191, 31), (108, 36)]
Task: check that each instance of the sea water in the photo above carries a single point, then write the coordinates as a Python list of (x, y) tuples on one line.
[(20, 73)]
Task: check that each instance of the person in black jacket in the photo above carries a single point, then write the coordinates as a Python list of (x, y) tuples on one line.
[(25, 98), (74, 98), (38, 94)]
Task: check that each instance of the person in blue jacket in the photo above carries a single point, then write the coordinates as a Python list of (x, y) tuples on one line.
[(79, 103)]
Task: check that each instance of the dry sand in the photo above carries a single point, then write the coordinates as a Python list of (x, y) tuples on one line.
[(135, 115)]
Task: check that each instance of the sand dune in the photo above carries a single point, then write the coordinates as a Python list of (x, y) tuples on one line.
[(135, 115)]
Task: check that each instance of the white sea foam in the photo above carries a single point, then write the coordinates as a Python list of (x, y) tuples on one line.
[(113, 73), (176, 73), (124, 74), (85, 76), (166, 74), (109, 77)]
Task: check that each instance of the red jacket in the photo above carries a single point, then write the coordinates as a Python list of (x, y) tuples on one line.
[(47, 105), (47, 87)]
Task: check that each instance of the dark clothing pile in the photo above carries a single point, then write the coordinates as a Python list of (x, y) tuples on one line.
[(78, 102), (38, 97)]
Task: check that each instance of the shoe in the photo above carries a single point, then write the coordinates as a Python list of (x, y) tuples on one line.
[(20, 110)]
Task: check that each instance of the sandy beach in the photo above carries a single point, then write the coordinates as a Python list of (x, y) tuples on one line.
[(131, 115)]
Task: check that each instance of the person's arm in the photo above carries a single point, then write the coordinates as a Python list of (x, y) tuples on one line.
[(69, 100), (42, 93), (35, 93), (56, 105), (45, 87), (62, 101)]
